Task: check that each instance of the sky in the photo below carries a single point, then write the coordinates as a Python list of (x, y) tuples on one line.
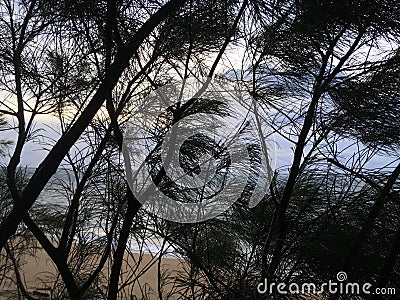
[(48, 126)]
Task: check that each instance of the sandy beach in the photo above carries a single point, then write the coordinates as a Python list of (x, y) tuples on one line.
[(39, 275)]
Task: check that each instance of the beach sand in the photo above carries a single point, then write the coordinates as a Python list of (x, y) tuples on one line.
[(38, 273)]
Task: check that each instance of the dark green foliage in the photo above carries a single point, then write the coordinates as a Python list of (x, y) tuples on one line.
[(370, 107), (314, 68), (202, 26), (314, 14)]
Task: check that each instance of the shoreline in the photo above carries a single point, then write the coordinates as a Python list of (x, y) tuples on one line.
[(39, 274)]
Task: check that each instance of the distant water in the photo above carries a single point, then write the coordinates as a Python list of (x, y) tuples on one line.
[(52, 193), (54, 197)]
